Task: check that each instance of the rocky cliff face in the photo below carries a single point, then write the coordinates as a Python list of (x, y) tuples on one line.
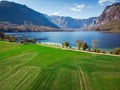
[(18, 14), (109, 20), (66, 22), (71, 23)]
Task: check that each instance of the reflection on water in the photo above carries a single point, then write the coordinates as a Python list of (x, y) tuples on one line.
[(105, 40)]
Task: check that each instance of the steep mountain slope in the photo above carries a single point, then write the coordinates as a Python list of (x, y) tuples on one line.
[(109, 20), (68, 22), (12, 13), (21, 14)]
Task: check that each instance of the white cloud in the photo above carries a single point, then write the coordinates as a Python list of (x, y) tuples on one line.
[(77, 7), (55, 13), (101, 2)]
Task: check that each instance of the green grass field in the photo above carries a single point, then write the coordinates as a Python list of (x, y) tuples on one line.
[(35, 67)]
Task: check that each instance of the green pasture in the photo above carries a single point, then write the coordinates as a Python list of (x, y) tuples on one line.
[(37, 67)]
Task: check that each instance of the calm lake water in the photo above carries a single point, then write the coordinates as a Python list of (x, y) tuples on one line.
[(105, 40)]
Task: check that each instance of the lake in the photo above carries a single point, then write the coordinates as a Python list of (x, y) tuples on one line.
[(105, 40)]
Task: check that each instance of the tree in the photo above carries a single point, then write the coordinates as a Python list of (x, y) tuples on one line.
[(94, 45), (84, 46), (62, 45), (30, 41), (23, 39), (34, 41), (79, 44), (117, 50), (66, 44), (2, 35), (12, 39)]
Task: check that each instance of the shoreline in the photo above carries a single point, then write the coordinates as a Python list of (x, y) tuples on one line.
[(52, 45), (74, 49), (63, 31)]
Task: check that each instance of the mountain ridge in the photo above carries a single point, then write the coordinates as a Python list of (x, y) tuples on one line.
[(69, 22), (109, 20), (19, 14), (26, 18)]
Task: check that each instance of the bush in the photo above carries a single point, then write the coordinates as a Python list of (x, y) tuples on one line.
[(22, 41), (2, 35), (30, 41), (89, 49), (81, 44), (34, 41), (66, 44), (12, 39), (70, 46), (111, 52), (98, 51), (62, 45), (103, 51), (117, 51), (94, 50), (84, 46)]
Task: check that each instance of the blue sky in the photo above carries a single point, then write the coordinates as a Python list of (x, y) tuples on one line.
[(73, 8)]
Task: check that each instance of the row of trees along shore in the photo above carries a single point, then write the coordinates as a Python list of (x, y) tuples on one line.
[(11, 38), (80, 44)]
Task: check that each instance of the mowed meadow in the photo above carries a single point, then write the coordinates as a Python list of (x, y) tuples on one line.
[(36, 67)]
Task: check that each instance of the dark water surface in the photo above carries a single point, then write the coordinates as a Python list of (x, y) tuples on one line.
[(105, 40)]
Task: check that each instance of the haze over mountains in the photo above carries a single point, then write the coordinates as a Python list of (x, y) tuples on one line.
[(16, 16)]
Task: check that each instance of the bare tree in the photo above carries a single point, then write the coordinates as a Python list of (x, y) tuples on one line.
[(94, 44), (2, 35), (117, 51), (79, 44), (23, 39)]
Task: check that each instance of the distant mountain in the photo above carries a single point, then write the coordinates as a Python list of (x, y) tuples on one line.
[(21, 14), (69, 22), (109, 20), (19, 17), (66, 22)]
